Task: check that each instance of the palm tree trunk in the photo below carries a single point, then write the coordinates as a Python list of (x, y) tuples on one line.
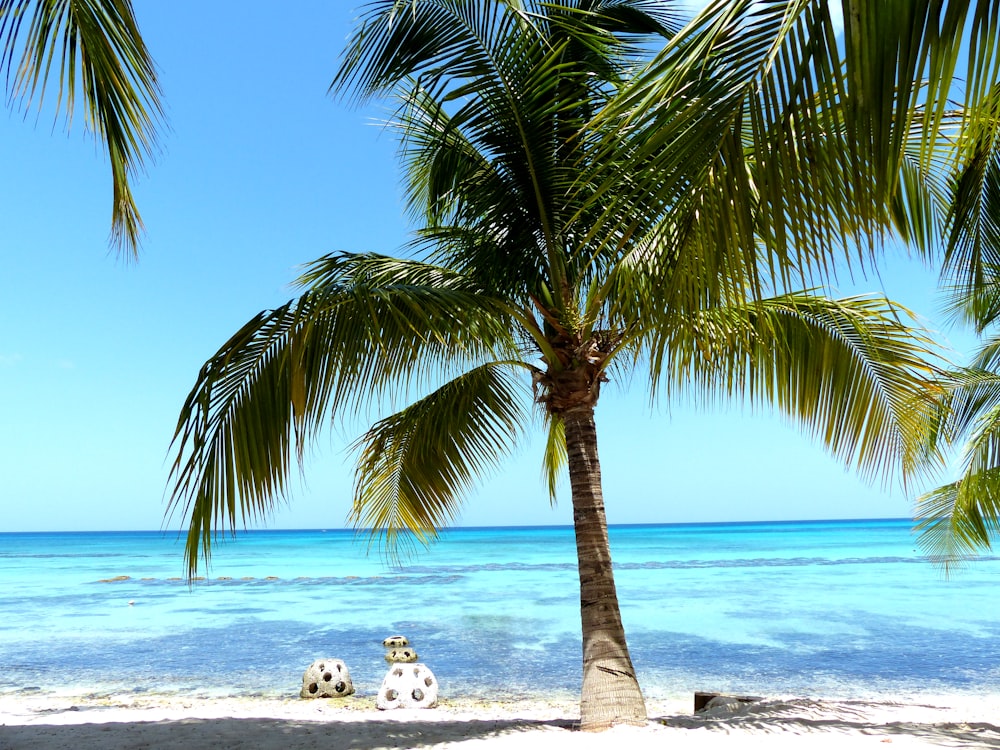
[(611, 693)]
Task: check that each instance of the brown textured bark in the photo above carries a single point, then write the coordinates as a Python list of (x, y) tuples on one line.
[(611, 693)]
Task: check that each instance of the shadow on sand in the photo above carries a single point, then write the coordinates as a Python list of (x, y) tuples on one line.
[(253, 734), (794, 721), (804, 717)]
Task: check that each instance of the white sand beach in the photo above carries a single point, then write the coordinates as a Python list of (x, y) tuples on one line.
[(127, 722)]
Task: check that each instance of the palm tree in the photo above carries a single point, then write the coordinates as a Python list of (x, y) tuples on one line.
[(530, 283), (93, 45)]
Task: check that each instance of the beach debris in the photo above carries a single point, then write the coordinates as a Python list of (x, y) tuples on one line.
[(717, 703), (406, 684), (327, 678)]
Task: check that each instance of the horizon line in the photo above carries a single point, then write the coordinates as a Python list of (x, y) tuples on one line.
[(446, 529)]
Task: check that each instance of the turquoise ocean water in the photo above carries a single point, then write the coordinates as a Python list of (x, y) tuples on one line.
[(827, 609)]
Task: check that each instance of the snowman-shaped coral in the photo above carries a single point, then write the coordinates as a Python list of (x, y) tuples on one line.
[(406, 684)]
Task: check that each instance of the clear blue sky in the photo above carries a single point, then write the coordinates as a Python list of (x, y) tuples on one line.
[(260, 172)]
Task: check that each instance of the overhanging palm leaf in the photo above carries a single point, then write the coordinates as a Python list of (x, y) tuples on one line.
[(94, 45), (958, 519)]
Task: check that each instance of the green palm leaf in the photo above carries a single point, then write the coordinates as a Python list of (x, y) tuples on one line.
[(753, 127), (958, 519), (849, 371), (368, 327), (554, 459), (973, 252), (94, 45), (725, 119), (416, 465)]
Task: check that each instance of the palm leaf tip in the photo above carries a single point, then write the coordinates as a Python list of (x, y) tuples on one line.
[(94, 45), (556, 459)]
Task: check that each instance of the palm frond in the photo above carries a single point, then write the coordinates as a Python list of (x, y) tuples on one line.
[(959, 519), (481, 211), (755, 129), (973, 252), (436, 40), (956, 522), (416, 465), (919, 207), (647, 17), (969, 395), (850, 371), (492, 112), (736, 143), (987, 357), (368, 328), (93, 45), (977, 41)]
